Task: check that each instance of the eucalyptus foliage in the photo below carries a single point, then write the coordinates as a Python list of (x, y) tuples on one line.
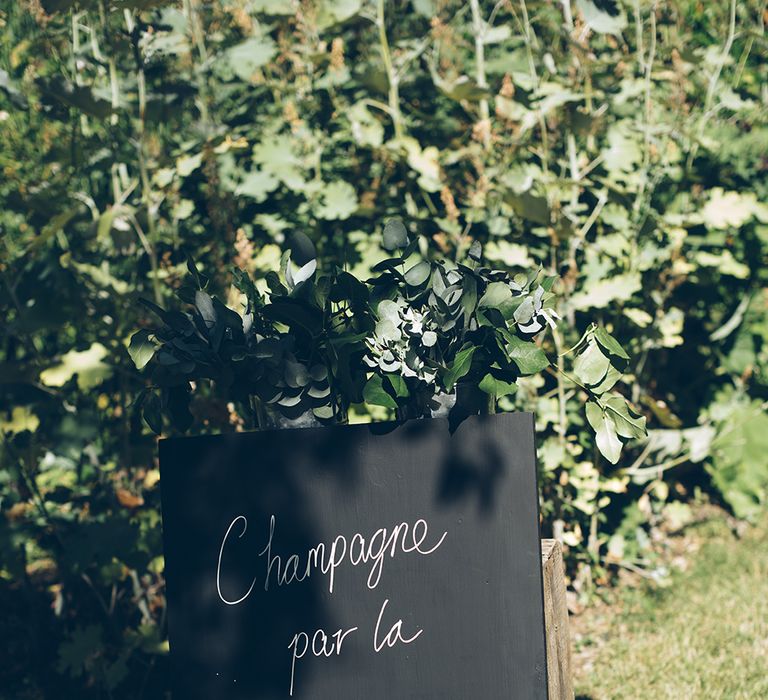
[(420, 327)]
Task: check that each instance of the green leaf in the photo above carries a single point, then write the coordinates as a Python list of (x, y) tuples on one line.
[(623, 150), (418, 274), (200, 280), (323, 412), (102, 275), (387, 331), (272, 7), (367, 130), (375, 393), (531, 207), (610, 343), (204, 305), (425, 161), (296, 374), (152, 414), (724, 262), (529, 357), (738, 464), (628, 424), (115, 673), (76, 654), (461, 365), (87, 365), (496, 387), (105, 223), (608, 21), (279, 155), (243, 282), (333, 12), (257, 184), (80, 97), (294, 314), (395, 235), (11, 89), (599, 293), (339, 201), (183, 209), (302, 248), (399, 385), (605, 432), (724, 209), (510, 254), (463, 88), (248, 56), (524, 313), (469, 296), (141, 348), (497, 295), (591, 365), (21, 419), (609, 381), (187, 164)]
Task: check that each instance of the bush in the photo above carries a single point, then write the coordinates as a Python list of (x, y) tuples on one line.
[(621, 145)]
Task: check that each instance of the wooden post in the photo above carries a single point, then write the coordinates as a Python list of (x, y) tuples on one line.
[(560, 684)]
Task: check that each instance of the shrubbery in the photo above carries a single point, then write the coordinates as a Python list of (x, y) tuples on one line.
[(621, 145)]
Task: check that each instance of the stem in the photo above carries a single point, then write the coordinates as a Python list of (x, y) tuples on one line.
[(593, 544), (713, 81), (565, 374), (259, 414), (743, 61), (648, 107), (759, 31), (479, 32), (640, 49), (660, 468), (76, 73), (574, 165), (562, 417), (723, 58), (198, 37), (530, 37), (152, 255), (191, 10), (149, 242), (114, 83), (392, 77), (601, 200)]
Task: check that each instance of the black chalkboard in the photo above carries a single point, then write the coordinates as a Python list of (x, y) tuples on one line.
[(414, 551)]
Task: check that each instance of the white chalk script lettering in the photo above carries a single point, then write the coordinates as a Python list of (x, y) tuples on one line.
[(357, 551), (394, 635), (371, 552), (218, 567), (300, 644)]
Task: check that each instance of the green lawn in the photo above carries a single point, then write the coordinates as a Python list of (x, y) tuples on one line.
[(705, 636)]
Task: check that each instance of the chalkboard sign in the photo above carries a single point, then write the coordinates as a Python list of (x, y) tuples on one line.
[(376, 562)]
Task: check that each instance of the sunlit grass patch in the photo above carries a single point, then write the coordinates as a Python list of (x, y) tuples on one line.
[(704, 636)]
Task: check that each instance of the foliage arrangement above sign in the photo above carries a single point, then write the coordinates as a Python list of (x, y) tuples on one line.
[(419, 338)]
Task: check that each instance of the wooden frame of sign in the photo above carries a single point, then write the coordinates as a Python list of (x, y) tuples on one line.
[(369, 561), (559, 682)]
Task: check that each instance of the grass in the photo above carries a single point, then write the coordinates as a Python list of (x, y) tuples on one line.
[(704, 636)]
